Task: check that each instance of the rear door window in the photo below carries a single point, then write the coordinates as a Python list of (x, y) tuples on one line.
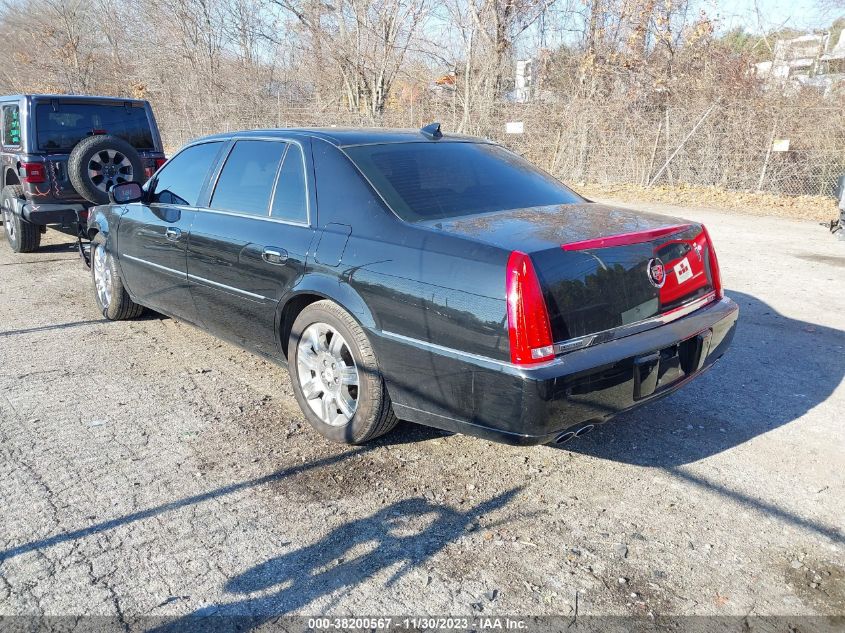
[(289, 201), (246, 182), (11, 125), (182, 177), (61, 126)]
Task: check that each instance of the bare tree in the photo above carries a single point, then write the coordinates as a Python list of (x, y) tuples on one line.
[(621, 87), (366, 40)]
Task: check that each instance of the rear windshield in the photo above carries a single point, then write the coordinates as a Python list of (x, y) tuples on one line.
[(427, 181), (62, 127)]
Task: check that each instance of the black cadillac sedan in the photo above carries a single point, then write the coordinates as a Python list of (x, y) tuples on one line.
[(409, 274)]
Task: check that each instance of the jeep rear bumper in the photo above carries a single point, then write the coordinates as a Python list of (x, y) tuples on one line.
[(67, 214)]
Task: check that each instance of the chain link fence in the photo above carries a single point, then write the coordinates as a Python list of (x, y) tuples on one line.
[(786, 150)]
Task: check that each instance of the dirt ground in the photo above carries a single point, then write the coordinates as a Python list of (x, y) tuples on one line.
[(147, 468)]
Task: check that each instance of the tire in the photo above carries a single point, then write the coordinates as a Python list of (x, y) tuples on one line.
[(372, 415), (111, 296), (98, 162), (23, 236)]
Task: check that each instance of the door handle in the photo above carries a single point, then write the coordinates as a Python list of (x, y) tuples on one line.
[(274, 255), (173, 234)]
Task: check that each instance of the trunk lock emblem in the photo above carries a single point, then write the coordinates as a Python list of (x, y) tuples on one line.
[(656, 272)]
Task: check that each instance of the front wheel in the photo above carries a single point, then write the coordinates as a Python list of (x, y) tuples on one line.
[(111, 296), (335, 376)]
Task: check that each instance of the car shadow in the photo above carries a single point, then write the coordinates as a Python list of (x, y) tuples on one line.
[(776, 370), (185, 502), (31, 262), (61, 247), (396, 540), (410, 433)]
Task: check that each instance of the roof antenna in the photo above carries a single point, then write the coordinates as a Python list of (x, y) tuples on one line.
[(432, 131)]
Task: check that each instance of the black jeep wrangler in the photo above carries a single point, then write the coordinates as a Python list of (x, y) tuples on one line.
[(62, 153)]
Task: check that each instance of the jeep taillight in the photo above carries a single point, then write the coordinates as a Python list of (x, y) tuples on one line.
[(151, 169), (528, 319), (33, 172), (715, 273)]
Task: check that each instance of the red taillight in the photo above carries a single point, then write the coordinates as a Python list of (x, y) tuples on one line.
[(715, 273), (160, 162), (33, 172), (528, 319), (98, 132)]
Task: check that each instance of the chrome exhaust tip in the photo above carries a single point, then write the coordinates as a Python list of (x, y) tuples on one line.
[(584, 430), (563, 438)]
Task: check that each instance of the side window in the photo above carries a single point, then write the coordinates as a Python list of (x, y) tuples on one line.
[(181, 179), (246, 182), (289, 200), (11, 125)]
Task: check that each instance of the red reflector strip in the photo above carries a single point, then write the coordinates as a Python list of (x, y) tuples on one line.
[(684, 309), (715, 273), (624, 239)]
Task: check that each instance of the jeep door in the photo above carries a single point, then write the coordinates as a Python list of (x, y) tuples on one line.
[(248, 245), (153, 235)]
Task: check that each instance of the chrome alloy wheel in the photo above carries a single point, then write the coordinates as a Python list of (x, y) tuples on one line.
[(327, 374), (102, 274), (8, 223), (108, 168)]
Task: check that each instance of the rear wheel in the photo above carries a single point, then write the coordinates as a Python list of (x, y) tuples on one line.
[(23, 236), (335, 376), (111, 296)]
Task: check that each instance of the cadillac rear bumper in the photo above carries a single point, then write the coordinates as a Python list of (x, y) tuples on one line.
[(506, 403)]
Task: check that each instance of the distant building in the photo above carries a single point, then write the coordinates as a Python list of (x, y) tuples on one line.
[(523, 80), (805, 61), (833, 62), (445, 85), (528, 80), (794, 57)]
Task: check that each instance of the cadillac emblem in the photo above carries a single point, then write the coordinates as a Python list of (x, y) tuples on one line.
[(656, 272)]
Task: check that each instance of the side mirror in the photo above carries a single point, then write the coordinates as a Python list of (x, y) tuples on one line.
[(125, 193)]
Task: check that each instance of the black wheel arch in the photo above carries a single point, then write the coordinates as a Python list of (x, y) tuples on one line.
[(10, 177), (98, 222), (317, 287)]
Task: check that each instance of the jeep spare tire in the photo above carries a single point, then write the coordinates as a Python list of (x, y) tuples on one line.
[(98, 162)]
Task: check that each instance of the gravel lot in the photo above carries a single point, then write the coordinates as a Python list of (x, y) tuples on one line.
[(147, 468)]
